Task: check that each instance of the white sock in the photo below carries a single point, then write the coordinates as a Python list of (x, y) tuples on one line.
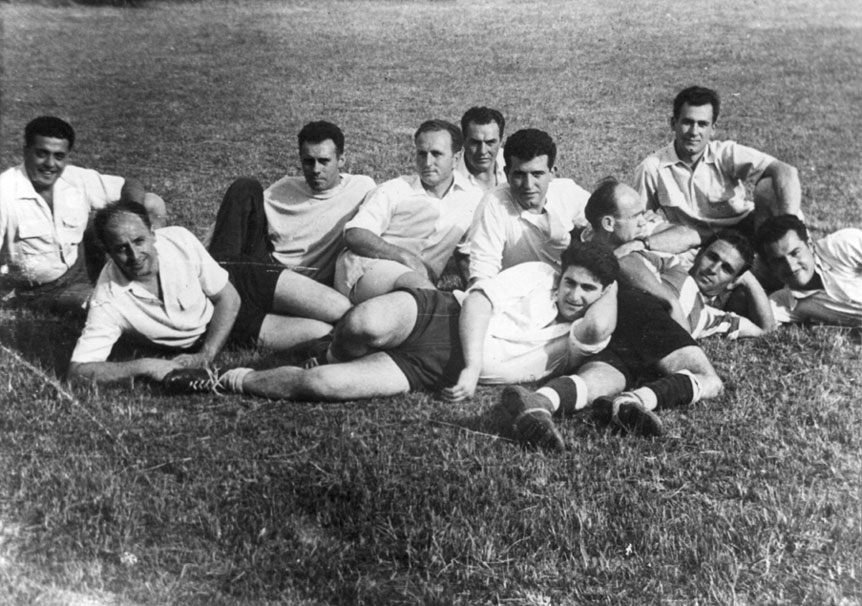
[(552, 395), (234, 377), (647, 397)]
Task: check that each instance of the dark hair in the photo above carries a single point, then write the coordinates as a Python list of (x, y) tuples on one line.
[(433, 126), (596, 258), (49, 126), (482, 115), (737, 240), (320, 131), (112, 210), (602, 202), (775, 228), (695, 96), (529, 143)]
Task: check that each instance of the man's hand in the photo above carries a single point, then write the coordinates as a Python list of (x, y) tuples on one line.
[(157, 368), (196, 360), (464, 388)]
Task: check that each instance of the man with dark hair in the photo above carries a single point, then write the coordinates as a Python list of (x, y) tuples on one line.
[(697, 296), (407, 229), (530, 217), (822, 279), (482, 160), (45, 204), (296, 224), (521, 325), (699, 184)]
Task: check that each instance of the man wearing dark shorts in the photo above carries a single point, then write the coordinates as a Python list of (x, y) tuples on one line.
[(524, 324), (647, 347), (162, 288)]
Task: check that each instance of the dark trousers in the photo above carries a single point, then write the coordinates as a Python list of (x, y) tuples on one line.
[(241, 228)]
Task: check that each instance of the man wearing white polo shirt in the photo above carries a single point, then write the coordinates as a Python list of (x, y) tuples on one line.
[(529, 218), (407, 229)]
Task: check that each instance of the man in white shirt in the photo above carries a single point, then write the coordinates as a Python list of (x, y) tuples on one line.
[(296, 223), (482, 161), (45, 206), (521, 325), (407, 229), (530, 217), (699, 184), (822, 279)]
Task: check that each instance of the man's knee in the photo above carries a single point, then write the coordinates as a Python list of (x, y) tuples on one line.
[(711, 385)]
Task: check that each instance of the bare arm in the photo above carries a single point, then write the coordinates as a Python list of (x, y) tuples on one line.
[(366, 243), (600, 320), (155, 205), (110, 372), (634, 273), (472, 327), (226, 306), (788, 191), (759, 310)]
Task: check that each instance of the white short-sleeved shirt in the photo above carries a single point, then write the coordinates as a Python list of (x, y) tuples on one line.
[(838, 262), (503, 234), (709, 196), (526, 341), (402, 213), (189, 277), (38, 244), (306, 227)]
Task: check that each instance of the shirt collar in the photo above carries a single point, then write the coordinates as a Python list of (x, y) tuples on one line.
[(667, 155)]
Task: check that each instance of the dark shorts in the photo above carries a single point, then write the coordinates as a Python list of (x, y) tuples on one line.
[(255, 282), (431, 356), (645, 334)]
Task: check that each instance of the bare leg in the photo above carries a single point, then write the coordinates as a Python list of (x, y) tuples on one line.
[(379, 323), (383, 277), (368, 377), (602, 379), (298, 295), (279, 333)]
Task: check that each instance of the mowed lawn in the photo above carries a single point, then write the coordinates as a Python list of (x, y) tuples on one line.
[(123, 495)]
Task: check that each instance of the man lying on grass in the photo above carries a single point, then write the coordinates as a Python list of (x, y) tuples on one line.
[(646, 343), (526, 323), (162, 288), (699, 296), (822, 280)]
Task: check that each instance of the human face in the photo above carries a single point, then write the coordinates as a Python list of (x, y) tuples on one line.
[(692, 129), (481, 144), (131, 244), (529, 181), (716, 267), (435, 160), (630, 218), (45, 160), (792, 260), (578, 289), (321, 164)]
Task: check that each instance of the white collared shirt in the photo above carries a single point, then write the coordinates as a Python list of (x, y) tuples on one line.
[(838, 262), (402, 213), (709, 195), (503, 234), (499, 171), (189, 278), (38, 244)]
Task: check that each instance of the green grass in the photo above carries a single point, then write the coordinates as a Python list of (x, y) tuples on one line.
[(120, 496)]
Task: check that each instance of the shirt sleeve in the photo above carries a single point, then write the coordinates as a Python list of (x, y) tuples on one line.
[(213, 277), (783, 303), (646, 182), (743, 162), (487, 237), (100, 333), (101, 189), (376, 211)]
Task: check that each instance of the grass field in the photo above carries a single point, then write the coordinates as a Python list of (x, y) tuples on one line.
[(124, 496)]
